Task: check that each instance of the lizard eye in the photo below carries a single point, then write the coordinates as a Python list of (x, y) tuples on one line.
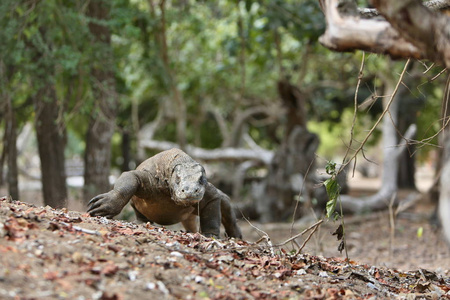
[(202, 180)]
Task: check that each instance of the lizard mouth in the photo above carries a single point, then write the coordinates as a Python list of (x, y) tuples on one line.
[(186, 201), (187, 195)]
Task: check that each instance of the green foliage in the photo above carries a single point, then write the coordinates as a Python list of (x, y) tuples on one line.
[(333, 190), (330, 168), (224, 55), (333, 134)]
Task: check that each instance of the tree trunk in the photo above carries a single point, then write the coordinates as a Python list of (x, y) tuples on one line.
[(97, 157), (102, 122), (51, 144), (434, 191), (3, 156), (11, 150), (126, 155), (406, 178), (291, 169), (291, 173), (178, 102), (444, 197), (410, 106)]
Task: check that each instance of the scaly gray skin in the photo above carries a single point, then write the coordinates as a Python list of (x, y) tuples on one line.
[(169, 188)]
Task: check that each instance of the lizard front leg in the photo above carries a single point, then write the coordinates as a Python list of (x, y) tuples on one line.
[(220, 210), (209, 213), (111, 203)]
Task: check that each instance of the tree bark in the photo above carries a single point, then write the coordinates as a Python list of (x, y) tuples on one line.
[(51, 144), (3, 155), (444, 197), (11, 146), (427, 30), (9, 150), (411, 30), (289, 170), (290, 173), (126, 155), (102, 122), (410, 107), (178, 104), (444, 158), (406, 178)]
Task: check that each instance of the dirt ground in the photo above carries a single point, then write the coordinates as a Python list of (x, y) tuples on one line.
[(415, 244), (61, 254)]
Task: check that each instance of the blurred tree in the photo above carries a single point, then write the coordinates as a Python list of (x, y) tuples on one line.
[(102, 120), (29, 43), (51, 144), (9, 150)]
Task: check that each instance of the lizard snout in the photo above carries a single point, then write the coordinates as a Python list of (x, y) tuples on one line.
[(187, 189), (190, 192)]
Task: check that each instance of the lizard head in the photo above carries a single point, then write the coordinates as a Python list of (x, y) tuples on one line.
[(188, 183)]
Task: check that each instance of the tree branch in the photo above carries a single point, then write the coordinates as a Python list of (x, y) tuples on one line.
[(351, 33), (412, 30), (435, 5), (243, 116), (426, 29), (219, 154)]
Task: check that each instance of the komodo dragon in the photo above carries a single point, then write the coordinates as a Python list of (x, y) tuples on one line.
[(168, 188)]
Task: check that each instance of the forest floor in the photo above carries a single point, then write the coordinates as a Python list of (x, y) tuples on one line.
[(60, 254)]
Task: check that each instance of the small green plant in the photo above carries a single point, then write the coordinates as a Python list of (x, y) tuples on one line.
[(333, 190)]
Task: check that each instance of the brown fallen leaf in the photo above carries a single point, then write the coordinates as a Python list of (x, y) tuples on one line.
[(13, 229), (106, 296), (65, 284), (110, 269), (51, 275)]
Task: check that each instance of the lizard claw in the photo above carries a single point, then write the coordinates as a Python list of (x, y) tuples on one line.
[(103, 205)]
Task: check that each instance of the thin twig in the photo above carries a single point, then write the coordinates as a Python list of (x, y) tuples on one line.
[(307, 239), (427, 68), (264, 237), (392, 224), (379, 119), (81, 229), (300, 234), (360, 76), (440, 73), (300, 194)]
